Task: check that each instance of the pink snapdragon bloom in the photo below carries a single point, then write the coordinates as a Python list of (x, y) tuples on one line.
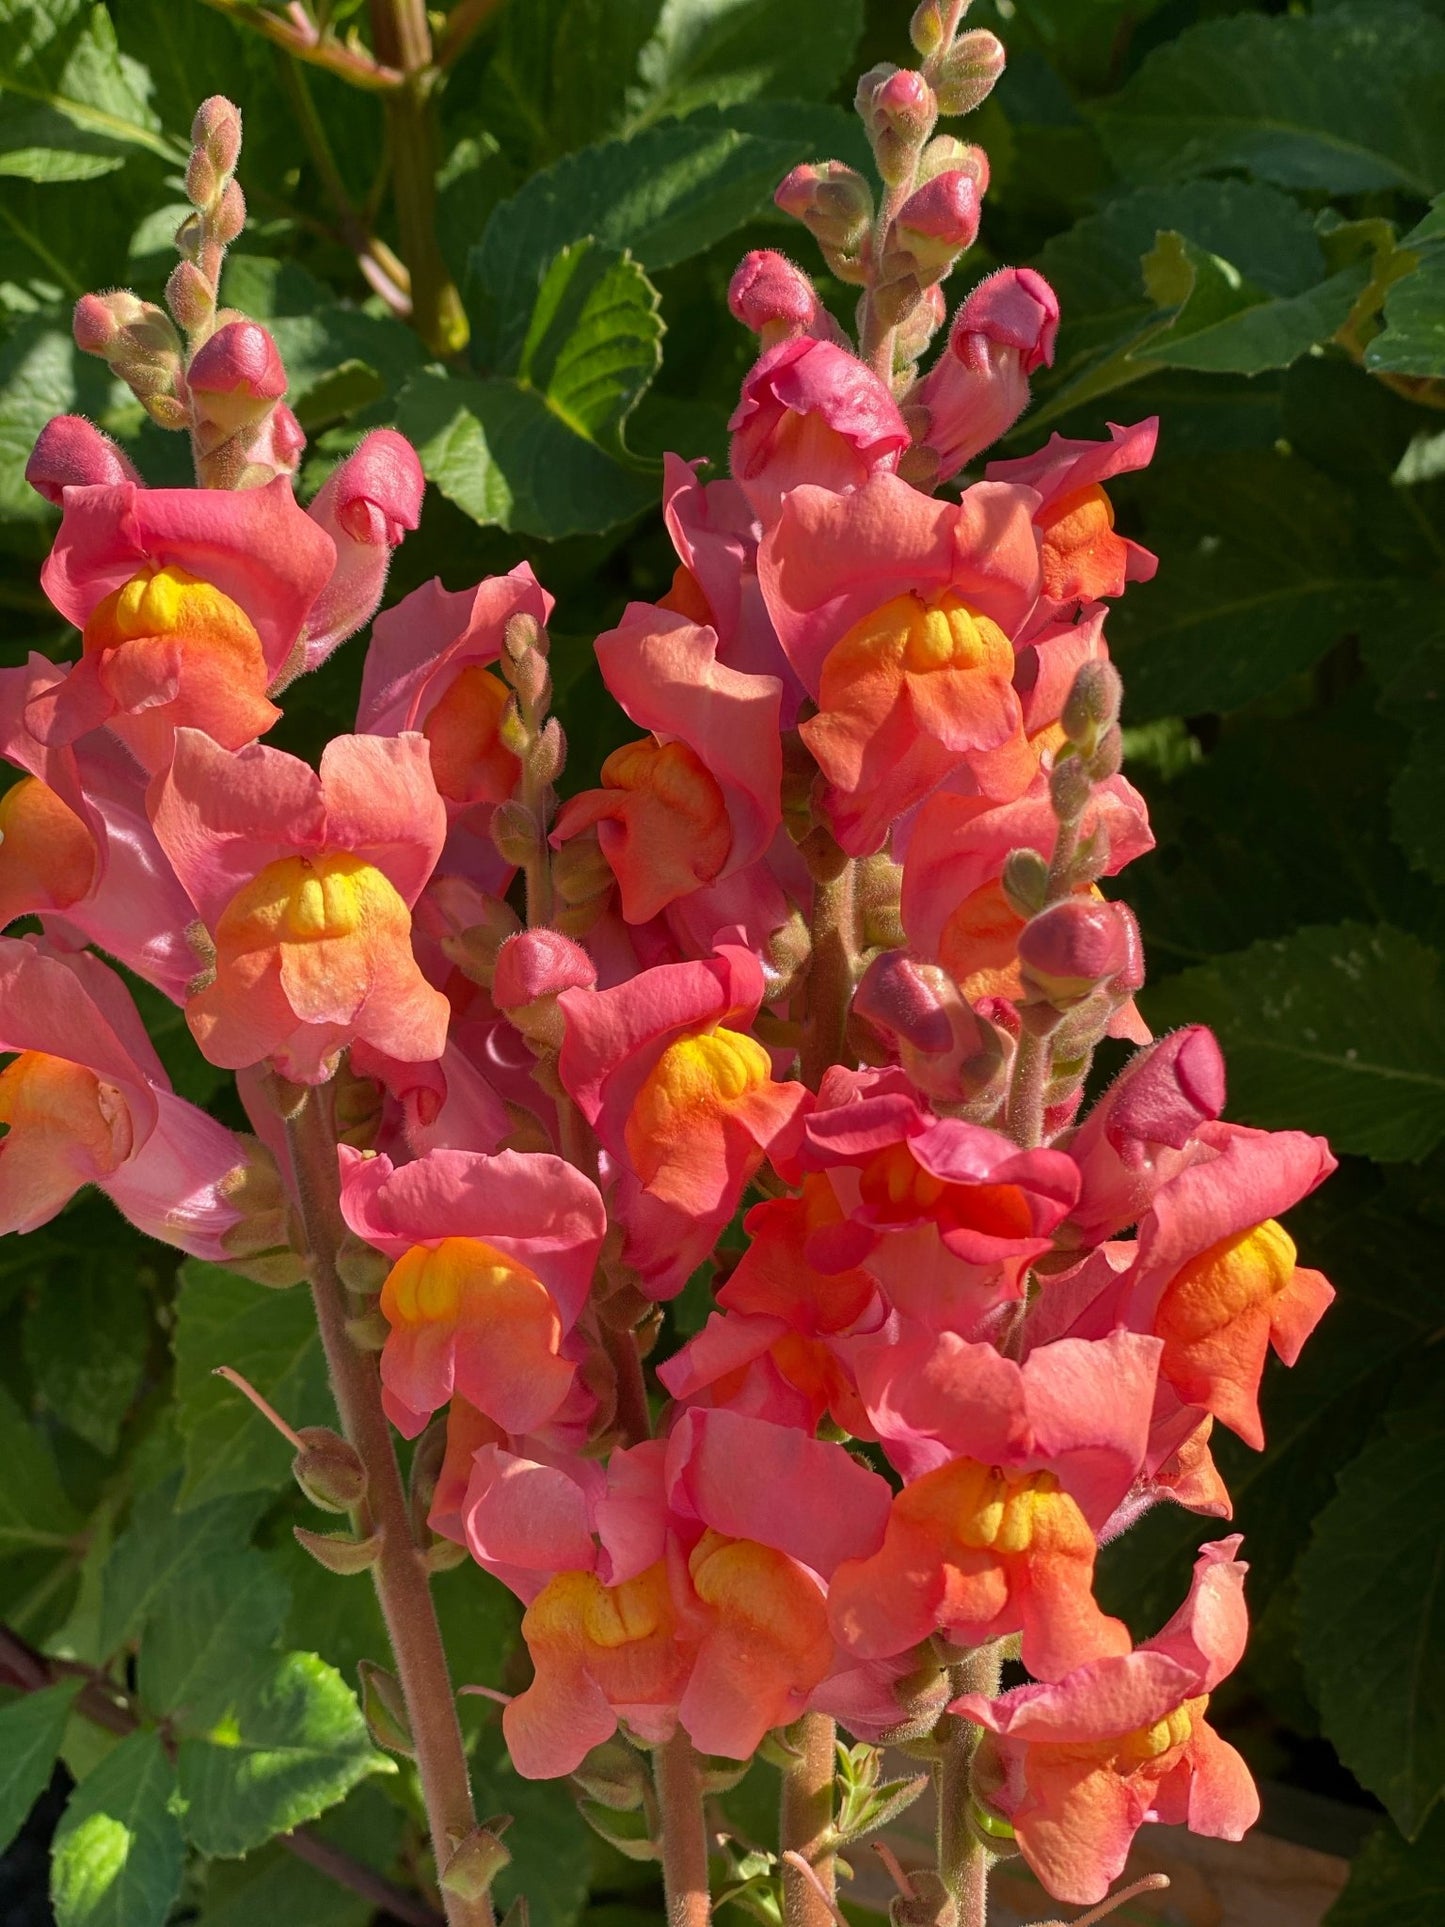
[(430, 667), (305, 884), (1079, 1765), (1002, 333), (698, 800), (76, 846), (445, 1104), (87, 1101), (688, 1588), (681, 1097), (771, 1348), (953, 904), (367, 505), (1081, 557), (191, 602), (811, 412), (492, 1261), (71, 452), (896, 612), (1011, 1470), (1141, 1132)]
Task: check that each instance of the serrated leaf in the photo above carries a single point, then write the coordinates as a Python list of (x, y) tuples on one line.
[(72, 106), (322, 347), (34, 1510), (1372, 1628), (118, 1854), (1337, 1029), (721, 51), (1393, 1884), (290, 1743), (270, 1338), (663, 196), (1343, 102), (275, 1885), (204, 1638), (162, 1548), (31, 1729), (1225, 325), (543, 454)]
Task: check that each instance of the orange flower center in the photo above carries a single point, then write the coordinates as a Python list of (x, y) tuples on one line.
[(1224, 1282), (909, 636), (463, 1281), (897, 1190), (982, 1508), (47, 855), (696, 1078), (309, 900), (1147, 1746), (171, 602), (1080, 553), (763, 1590), (626, 1636), (686, 597), (469, 760)]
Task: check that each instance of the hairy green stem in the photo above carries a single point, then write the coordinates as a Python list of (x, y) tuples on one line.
[(402, 36), (830, 973), (805, 1823), (399, 1573), (678, 1778), (963, 1859)]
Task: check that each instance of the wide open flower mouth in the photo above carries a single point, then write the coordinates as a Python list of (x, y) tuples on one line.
[(895, 1189)]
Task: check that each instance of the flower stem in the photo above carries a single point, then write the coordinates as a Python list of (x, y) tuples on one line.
[(806, 1823), (402, 35), (684, 1833), (963, 1860), (400, 1572), (830, 972)]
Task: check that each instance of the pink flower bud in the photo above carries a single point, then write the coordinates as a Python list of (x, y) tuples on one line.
[(217, 129), (1073, 946), (832, 200), (900, 100), (203, 179), (979, 386), (70, 452), (539, 963), (1166, 1093), (970, 72), (946, 154), (935, 225), (189, 295), (775, 299), (99, 319), (903, 999), (230, 216), (239, 360), (367, 506)]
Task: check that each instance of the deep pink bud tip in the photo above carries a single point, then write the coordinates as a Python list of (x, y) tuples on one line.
[(539, 963), (1016, 307), (72, 452), (945, 209), (240, 356), (768, 288), (1079, 941), (378, 489), (896, 997)]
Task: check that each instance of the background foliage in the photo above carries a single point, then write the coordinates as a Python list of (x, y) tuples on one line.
[(1239, 207)]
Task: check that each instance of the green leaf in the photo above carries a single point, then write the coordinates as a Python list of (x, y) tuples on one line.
[(270, 1338), (42, 374), (88, 1329), (1372, 1628), (163, 1548), (1412, 341), (716, 52), (1335, 1029), (543, 453), (1415, 803), (325, 347), (118, 1854), (72, 106), (665, 195), (1261, 571), (1392, 1884), (31, 1729), (203, 1638), (1343, 102), (34, 1510), (290, 1743), (1225, 325), (275, 1885)]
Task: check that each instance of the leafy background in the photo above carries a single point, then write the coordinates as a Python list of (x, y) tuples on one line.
[(1238, 206)]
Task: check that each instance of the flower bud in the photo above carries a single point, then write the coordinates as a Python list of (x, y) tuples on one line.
[(898, 100), (238, 370), (360, 1266), (1108, 757), (260, 1244), (979, 386), (189, 296), (935, 225), (367, 505), (926, 29), (70, 452), (969, 72), (918, 329), (217, 128), (328, 1470), (469, 926), (1071, 947), (920, 1015), (230, 215), (142, 347), (203, 181), (1092, 704), (477, 1861), (615, 1776), (1025, 881), (776, 300), (1070, 787), (946, 154), (833, 202), (533, 969), (515, 832)]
